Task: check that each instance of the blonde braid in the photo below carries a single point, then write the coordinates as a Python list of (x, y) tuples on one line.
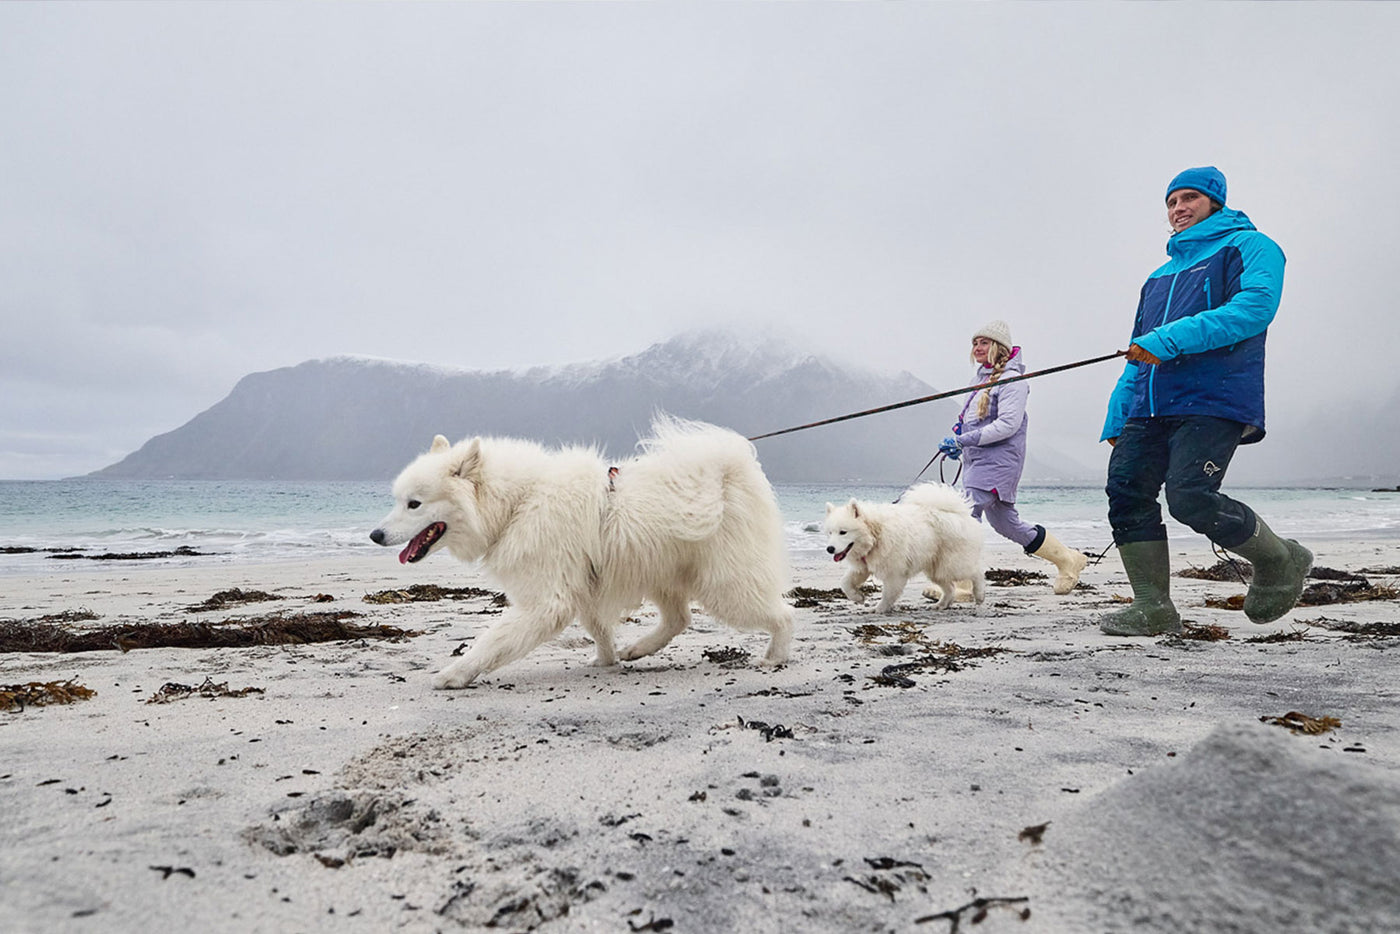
[(998, 356)]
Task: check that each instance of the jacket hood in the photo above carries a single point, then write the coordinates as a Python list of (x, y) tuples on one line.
[(1200, 236), (1014, 367)]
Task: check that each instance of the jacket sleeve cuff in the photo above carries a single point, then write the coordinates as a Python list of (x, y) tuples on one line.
[(1155, 344), (970, 437)]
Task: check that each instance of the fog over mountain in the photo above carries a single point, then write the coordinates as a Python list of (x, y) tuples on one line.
[(356, 418)]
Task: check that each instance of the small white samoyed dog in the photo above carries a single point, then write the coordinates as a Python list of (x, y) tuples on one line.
[(691, 518), (930, 530)]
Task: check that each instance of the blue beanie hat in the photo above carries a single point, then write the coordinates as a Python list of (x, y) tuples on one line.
[(1207, 179)]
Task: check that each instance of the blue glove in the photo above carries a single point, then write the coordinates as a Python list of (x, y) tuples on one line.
[(950, 448)]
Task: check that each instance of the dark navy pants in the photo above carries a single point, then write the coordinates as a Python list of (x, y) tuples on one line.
[(1188, 454)]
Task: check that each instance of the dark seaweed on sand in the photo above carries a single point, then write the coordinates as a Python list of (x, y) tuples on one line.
[(1350, 590), (1236, 570), (234, 597), (1229, 569), (1007, 577), (727, 657), (1355, 630), (42, 693), (977, 911), (1302, 723), (1209, 632), (944, 657), (70, 616), (1332, 574), (806, 597), (276, 629), (173, 691), (427, 593), (1295, 635), (1355, 590), (184, 551), (902, 633)]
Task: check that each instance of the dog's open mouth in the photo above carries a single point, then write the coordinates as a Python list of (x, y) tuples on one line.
[(422, 543), (841, 555)]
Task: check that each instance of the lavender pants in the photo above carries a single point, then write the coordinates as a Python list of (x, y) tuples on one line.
[(1005, 520)]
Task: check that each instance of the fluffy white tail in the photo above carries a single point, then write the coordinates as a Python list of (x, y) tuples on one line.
[(938, 496)]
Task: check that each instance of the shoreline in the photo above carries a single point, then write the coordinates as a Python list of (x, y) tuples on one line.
[(694, 786)]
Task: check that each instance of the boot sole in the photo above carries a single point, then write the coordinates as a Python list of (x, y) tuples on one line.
[(1125, 627)]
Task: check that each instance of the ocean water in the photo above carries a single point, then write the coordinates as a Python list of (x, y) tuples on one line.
[(278, 521)]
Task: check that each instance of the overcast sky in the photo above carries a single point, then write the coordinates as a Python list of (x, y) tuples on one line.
[(190, 192)]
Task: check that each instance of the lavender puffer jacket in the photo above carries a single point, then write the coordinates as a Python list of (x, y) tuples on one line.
[(994, 448)]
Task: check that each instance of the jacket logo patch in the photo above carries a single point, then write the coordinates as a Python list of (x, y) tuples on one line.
[(1210, 469)]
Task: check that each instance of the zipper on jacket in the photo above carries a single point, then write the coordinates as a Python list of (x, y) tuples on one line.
[(1152, 370)]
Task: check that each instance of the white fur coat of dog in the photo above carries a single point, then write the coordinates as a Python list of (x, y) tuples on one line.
[(691, 518), (930, 531)]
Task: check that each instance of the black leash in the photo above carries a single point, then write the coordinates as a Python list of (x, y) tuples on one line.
[(941, 458), (1227, 558), (1096, 558), (940, 395)]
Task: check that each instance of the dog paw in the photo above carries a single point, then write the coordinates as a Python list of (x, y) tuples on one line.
[(633, 652), (453, 677)]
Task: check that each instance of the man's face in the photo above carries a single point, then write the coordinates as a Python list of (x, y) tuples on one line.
[(1186, 206)]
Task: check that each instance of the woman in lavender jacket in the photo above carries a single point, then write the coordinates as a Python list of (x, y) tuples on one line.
[(991, 433)]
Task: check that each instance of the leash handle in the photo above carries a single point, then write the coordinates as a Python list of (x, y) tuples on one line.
[(956, 474), (940, 395)]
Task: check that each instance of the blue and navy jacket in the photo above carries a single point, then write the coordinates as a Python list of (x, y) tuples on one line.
[(1204, 314)]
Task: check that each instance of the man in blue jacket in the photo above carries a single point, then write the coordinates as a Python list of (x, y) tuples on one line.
[(1192, 391)]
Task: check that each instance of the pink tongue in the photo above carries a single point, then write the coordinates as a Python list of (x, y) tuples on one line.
[(415, 549), (413, 546)]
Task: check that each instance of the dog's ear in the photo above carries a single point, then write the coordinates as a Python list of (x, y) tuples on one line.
[(855, 508), (470, 460), (440, 444), (830, 509)]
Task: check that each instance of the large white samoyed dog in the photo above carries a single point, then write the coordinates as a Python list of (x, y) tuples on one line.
[(930, 530), (691, 518)]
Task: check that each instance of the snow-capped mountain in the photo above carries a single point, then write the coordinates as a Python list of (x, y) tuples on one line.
[(364, 418)]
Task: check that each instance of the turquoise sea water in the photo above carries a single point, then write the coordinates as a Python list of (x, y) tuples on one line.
[(275, 521)]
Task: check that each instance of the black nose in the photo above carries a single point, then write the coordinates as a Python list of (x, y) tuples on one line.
[(377, 536), (830, 549)]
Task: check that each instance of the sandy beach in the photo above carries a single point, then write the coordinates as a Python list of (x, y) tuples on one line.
[(1008, 766)]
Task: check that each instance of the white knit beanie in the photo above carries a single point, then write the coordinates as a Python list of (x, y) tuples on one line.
[(998, 331)]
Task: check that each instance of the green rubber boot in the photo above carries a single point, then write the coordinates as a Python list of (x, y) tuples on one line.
[(1281, 567), (1149, 571)]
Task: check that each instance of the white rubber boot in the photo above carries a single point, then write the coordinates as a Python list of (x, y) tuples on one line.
[(1069, 562)]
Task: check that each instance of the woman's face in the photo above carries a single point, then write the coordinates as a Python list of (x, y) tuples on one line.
[(981, 348), (1186, 206)]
